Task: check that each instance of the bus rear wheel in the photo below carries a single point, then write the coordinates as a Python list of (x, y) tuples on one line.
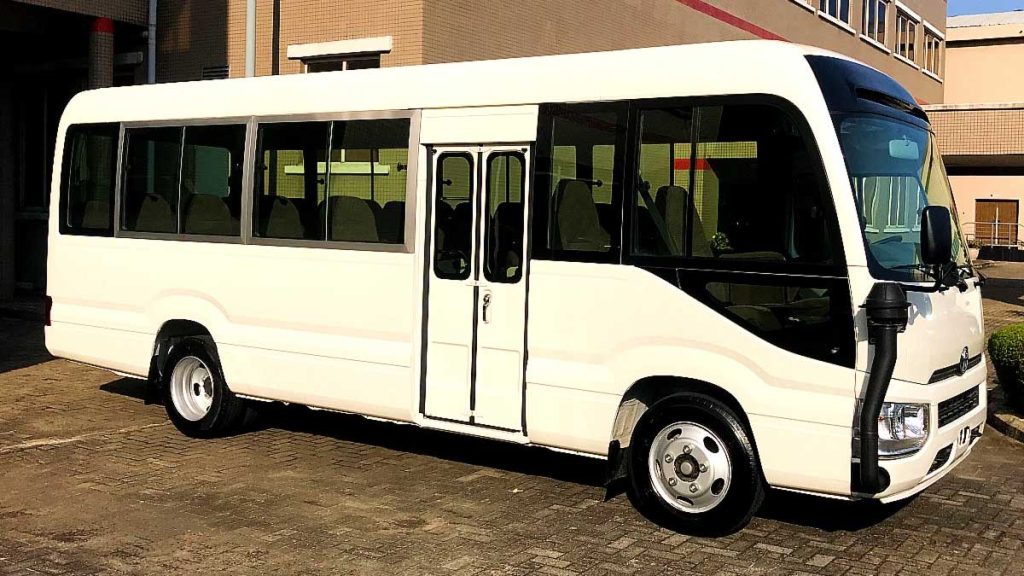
[(693, 467), (197, 400)]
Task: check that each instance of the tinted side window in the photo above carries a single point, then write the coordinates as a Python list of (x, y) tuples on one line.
[(366, 189), (88, 180), (151, 173), (503, 240), (453, 216), (290, 185), (579, 158), (758, 192), (211, 179), (731, 183)]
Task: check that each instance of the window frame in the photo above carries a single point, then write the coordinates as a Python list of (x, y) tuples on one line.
[(913, 22), (119, 229), (836, 269), (540, 184), (836, 18), (246, 220), (934, 48), (407, 246), (871, 36), (63, 197)]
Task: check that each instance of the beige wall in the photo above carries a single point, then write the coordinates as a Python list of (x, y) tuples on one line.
[(980, 73), (457, 30), (429, 31), (968, 189)]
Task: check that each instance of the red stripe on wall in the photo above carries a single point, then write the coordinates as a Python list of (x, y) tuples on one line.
[(731, 19), (684, 164)]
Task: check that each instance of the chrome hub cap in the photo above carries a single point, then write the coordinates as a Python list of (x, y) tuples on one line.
[(191, 388), (689, 467)]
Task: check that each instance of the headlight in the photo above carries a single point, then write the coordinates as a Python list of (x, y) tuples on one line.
[(902, 429)]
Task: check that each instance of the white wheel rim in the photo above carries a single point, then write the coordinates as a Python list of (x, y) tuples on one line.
[(689, 467), (191, 388)]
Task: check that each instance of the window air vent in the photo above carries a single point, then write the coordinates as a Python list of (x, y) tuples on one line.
[(216, 72)]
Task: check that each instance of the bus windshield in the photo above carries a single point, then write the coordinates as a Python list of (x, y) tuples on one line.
[(896, 171)]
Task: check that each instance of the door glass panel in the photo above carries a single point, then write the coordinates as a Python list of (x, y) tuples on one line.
[(503, 261), (453, 216)]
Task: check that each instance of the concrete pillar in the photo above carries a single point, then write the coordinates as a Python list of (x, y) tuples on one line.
[(101, 53)]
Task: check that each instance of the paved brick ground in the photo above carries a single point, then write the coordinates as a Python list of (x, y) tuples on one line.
[(94, 481)]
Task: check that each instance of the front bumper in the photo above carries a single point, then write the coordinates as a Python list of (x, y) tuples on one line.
[(916, 472)]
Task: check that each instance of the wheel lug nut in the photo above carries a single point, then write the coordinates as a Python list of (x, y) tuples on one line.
[(693, 488), (703, 467), (686, 449), (671, 481), (668, 457)]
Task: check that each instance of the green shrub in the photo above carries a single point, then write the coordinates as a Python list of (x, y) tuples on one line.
[(1006, 350)]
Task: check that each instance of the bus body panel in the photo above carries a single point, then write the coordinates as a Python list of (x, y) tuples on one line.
[(329, 328), (342, 329), (592, 334)]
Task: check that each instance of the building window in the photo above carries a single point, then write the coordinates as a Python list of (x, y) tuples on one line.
[(353, 54), (932, 53), (906, 36), (337, 64), (875, 20), (838, 9), (87, 180)]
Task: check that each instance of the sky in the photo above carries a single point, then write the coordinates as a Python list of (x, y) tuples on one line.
[(958, 7)]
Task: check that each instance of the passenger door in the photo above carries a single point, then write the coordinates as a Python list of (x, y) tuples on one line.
[(476, 289)]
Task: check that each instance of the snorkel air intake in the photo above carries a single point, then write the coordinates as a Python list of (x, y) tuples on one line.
[(886, 308)]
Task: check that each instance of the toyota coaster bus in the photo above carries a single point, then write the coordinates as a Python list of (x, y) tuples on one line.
[(721, 267)]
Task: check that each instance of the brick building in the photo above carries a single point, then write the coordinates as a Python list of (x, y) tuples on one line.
[(104, 42)]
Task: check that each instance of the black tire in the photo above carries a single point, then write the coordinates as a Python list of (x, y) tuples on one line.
[(226, 411), (746, 490)]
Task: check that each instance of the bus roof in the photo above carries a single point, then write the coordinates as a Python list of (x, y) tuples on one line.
[(736, 67)]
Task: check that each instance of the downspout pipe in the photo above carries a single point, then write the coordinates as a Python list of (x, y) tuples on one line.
[(250, 38), (886, 309), (151, 44)]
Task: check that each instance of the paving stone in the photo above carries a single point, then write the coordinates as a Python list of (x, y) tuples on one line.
[(95, 481)]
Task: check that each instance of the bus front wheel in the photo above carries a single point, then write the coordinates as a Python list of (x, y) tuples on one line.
[(197, 400), (693, 467)]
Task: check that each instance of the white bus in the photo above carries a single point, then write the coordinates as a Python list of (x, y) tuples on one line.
[(692, 261)]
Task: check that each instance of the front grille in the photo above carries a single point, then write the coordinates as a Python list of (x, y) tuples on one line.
[(954, 370), (957, 406), (941, 458)]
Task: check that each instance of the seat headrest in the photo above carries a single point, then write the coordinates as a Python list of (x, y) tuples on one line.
[(208, 214), (351, 220), (283, 219)]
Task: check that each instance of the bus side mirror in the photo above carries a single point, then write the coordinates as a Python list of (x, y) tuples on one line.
[(936, 236)]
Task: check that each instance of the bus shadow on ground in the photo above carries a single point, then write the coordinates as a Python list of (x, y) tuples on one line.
[(509, 457), (792, 508), (827, 514)]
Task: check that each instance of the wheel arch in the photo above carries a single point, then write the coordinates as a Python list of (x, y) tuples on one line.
[(170, 333), (645, 393)]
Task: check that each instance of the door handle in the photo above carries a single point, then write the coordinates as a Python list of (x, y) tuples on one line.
[(487, 308)]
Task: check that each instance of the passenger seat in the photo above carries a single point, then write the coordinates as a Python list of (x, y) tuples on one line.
[(280, 218), (672, 203), (579, 227), (208, 214), (155, 215), (392, 224), (351, 220)]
